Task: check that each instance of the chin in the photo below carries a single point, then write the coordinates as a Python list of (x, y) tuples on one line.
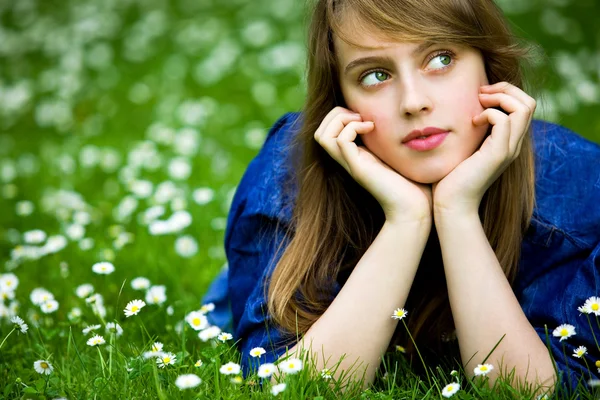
[(424, 176)]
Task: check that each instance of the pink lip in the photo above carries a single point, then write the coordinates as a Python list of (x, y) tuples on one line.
[(430, 130), (429, 143)]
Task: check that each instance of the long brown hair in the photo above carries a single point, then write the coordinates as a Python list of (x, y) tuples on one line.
[(335, 220)]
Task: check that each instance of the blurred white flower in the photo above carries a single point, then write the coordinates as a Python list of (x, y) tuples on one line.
[(203, 195), (483, 369), (151, 214), (156, 294), (450, 389), (86, 244), (103, 268), (84, 290), (196, 320), (276, 389), (209, 333), (266, 370), (142, 189), (24, 208), (8, 282), (20, 323), (35, 236), (112, 327), (96, 340), (49, 306), (186, 246), (90, 328), (140, 283), (166, 359), (180, 168), (187, 381), (125, 208), (257, 352), (165, 191), (291, 365), (224, 336), (75, 232), (54, 244), (230, 368), (206, 308)]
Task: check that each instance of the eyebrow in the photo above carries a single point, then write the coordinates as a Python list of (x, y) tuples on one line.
[(383, 59)]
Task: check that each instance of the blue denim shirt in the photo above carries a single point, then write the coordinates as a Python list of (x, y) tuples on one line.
[(559, 266)]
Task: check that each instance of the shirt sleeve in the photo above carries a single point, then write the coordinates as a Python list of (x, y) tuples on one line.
[(555, 301), (255, 228)]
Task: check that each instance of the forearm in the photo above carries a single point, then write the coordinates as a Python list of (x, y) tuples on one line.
[(358, 322), (484, 306)]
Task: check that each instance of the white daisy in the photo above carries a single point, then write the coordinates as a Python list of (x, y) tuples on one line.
[(103, 268), (209, 333), (450, 389), (197, 320), (96, 340), (39, 296), (326, 374), (35, 236), (186, 246), (276, 389), (580, 352), (592, 305), (90, 328), (49, 306), (224, 336), (74, 314), (291, 366), (483, 369), (564, 331), (230, 368), (8, 282), (43, 367), (157, 346), (166, 359), (133, 307), (266, 370), (140, 283), (257, 352), (198, 364), (399, 313), (84, 290), (206, 308), (236, 380), (156, 294), (187, 381), (20, 323), (112, 327)]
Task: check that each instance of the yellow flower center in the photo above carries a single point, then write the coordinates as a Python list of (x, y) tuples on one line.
[(196, 321), (44, 365), (156, 299), (167, 359), (229, 368), (291, 365), (483, 368), (595, 306), (8, 283), (598, 363), (564, 332), (134, 308)]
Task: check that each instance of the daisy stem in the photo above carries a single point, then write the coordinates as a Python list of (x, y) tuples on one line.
[(592, 329), (6, 337), (566, 359), (587, 366), (101, 361), (159, 392), (418, 352), (110, 353)]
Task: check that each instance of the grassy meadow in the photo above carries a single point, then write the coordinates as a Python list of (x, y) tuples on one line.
[(125, 126)]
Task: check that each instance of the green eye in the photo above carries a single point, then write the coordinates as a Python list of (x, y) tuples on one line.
[(445, 59), (379, 76), (441, 61)]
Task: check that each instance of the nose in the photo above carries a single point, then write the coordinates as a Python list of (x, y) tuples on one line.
[(413, 96)]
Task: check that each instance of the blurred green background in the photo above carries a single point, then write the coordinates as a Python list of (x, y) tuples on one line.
[(97, 96)]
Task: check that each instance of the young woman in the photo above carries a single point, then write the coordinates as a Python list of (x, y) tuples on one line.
[(486, 231)]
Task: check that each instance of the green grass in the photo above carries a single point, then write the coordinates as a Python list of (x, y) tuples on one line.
[(98, 78)]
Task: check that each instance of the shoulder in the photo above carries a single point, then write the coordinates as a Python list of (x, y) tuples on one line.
[(262, 188), (567, 183)]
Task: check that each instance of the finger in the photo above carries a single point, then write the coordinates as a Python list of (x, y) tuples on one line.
[(345, 141), (505, 87), (500, 135), (519, 113), (335, 114)]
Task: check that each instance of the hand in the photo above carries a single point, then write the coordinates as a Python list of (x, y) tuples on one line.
[(462, 189), (402, 200)]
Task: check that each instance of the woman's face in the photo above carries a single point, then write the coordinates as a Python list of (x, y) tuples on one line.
[(413, 86)]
